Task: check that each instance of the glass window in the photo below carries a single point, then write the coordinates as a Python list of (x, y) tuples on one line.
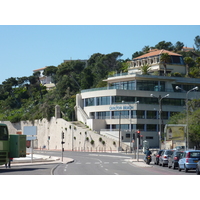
[(140, 127), (151, 127), (140, 114), (164, 115), (3, 133), (126, 99), (103, 115), (103, 100), (124, 114), (149, 137), (146, 85), (89, 102), (122, 126), (151, 114)]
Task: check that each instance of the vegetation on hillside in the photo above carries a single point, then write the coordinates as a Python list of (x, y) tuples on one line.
[(25, 98)]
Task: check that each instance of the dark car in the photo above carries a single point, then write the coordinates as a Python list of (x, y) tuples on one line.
[(198, 168), (163, 159), (156, 157), (174, 158)]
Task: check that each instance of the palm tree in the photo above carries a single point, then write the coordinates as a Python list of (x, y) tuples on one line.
[(187, 60), (164, 59), (144, 69)]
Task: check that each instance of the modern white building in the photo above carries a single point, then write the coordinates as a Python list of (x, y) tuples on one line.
[(130, 101)]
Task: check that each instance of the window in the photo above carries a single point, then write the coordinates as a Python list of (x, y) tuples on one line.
[(151, 114), (150, 138), (103, 100), (3, 133), (103, 115), (89, 102), (151, 127), (140, 114)]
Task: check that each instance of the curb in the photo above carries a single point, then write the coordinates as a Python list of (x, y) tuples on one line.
[(53, 169)]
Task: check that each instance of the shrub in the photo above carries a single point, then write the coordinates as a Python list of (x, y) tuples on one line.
[(92, 142)]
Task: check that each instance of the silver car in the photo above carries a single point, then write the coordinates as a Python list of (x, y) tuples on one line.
[(163, 159)]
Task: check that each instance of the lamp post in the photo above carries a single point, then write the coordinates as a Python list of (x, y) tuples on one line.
[(187, 110), (160, 114)]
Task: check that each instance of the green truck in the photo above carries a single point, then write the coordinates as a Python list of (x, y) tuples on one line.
[(11, 146)]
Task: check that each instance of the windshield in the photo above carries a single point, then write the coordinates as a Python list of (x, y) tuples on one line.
[(3, 133)]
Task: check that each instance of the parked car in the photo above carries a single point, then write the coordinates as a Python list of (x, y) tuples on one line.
[(189, 160), (179, 148), (163, 159), (155, 157), (198, 168), (174, 158)]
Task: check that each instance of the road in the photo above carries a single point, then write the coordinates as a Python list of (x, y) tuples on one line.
[(110, 164), (87, 163)]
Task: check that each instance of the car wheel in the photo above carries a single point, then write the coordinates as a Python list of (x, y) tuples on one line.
[(185, 169), (197, 171)]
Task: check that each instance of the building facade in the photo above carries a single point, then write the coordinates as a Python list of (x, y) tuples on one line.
[(130, 101)]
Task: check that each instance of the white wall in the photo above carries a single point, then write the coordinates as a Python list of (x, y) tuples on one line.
[(75, 136)]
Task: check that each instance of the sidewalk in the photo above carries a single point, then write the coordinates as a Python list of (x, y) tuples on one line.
[(38, 159), (139, 163)]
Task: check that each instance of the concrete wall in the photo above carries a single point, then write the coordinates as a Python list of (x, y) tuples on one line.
[(76, 138)]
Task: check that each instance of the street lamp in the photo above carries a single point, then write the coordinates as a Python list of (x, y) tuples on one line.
[(187, 110), (160, 113)]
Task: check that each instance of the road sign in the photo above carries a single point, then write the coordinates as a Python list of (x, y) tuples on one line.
[(30, 130)]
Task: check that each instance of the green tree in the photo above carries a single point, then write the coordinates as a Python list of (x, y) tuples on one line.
[(137, 54), (145, 69), (164, 45), (197, 42), (187, 60), (178, 46), (51, 71), (164, 59), (198, 62)]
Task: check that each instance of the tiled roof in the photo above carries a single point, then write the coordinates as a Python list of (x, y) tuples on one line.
[(188, 48), (39, 69), (157, 52)]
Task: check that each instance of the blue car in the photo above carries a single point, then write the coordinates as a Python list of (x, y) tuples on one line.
[(189, 160)]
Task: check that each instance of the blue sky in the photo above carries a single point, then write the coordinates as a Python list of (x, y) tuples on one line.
[(24, 48)]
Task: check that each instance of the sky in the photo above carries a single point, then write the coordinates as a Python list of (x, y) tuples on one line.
[(24, 48), (36, 34)]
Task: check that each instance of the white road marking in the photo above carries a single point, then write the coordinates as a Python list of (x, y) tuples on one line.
[(110, 156)]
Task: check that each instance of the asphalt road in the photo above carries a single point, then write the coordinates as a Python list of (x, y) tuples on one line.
[(87, 163)]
